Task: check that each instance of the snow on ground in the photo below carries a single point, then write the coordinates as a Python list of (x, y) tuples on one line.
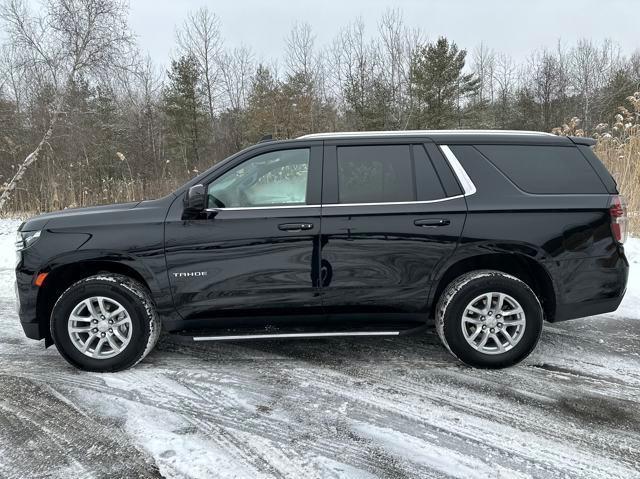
[(326, 408)]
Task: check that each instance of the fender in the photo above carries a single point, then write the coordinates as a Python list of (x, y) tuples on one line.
[(516, 257), (157, 283)]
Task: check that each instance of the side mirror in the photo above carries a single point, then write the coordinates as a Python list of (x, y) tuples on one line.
[(194, 200)]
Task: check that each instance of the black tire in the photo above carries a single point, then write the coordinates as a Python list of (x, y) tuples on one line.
[(461, 292), (134, 297)]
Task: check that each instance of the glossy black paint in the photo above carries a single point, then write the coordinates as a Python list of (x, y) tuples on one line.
[(373, 262), (375, 258)]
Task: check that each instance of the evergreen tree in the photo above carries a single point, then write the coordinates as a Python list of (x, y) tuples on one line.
[(439, 84), (262, 106), (183, 106)]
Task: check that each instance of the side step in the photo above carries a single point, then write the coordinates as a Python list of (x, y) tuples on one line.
[(295, 335), (271, 332)]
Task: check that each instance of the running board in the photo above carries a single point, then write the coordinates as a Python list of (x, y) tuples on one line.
[(295, 335)]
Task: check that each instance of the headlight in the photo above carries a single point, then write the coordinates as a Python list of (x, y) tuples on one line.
[(25, 239)]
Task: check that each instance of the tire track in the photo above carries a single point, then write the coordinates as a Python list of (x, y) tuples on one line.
[(53, 435)]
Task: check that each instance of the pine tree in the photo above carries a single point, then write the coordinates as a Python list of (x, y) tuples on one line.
[(263, 116), (439, 84), (183, 106)]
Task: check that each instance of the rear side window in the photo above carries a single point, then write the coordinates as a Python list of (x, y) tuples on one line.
[(544, 169), (428, 185), (375, 174)]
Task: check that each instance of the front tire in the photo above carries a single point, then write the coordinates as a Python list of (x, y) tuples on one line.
[(105, 323), (489, 319)]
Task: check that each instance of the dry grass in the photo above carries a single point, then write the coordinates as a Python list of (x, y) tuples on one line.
[(619, 149), (623, 161)]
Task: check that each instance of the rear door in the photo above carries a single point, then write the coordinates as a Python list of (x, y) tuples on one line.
[(392, 212)]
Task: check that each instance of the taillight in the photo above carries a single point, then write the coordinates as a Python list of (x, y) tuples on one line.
[(618, 212)]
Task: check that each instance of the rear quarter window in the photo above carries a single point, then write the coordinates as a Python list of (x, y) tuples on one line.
[(545, 169)]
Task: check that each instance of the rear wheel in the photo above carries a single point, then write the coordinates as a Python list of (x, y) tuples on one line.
[(104, 323), (489, 319)]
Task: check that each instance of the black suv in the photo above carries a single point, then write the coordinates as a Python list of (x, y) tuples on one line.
[(340, 234)]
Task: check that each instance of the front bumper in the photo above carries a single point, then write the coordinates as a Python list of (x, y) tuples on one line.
[(26, 301)]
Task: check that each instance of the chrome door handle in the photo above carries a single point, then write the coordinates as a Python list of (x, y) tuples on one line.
[(433, 222)]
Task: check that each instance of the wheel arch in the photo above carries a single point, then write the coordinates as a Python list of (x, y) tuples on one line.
[(532, 272), (63, 275)]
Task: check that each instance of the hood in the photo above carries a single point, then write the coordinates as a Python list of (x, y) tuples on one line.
[(75, 215)]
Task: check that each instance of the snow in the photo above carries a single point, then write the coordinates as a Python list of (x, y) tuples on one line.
[(339, 408), (8, 230)]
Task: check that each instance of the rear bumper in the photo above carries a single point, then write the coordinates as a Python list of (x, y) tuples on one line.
[(590, 286), (586, 308)]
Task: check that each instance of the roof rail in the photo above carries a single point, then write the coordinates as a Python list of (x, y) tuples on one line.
[(341, 134)]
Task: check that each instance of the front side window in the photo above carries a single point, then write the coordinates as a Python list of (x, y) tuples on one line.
[(277, 178), (375, 174)]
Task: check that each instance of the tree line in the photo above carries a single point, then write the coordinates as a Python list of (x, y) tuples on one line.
[(86, 118)]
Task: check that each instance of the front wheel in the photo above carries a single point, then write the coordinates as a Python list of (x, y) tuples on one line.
[(489, 319), (104, 323)]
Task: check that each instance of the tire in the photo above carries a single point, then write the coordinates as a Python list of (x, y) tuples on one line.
[(463, 317), (128, 329)]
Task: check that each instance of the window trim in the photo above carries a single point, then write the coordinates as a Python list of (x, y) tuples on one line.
[(411, 169), (326, 173), (330, 172), (439, 200), (468, 187), (314, 172)]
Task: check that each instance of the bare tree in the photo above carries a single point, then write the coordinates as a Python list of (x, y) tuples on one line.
[(12, 78), (300, 54), (200, 36), (396, 48), (68, 39), (236, 67), (634, 67), (545, 76), (357, 64), (591, 68), (504, 77), (483, 65)]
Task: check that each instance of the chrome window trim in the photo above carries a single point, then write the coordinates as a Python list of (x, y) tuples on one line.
[(467, 185), (388, 203), (278, 207), (396, 202)]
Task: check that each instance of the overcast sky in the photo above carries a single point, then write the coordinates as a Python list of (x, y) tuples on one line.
[(513, 26)]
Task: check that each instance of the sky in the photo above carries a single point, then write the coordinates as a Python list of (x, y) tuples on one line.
[(515, 27)]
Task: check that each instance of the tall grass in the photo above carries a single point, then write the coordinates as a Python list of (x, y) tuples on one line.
[(619, 149)]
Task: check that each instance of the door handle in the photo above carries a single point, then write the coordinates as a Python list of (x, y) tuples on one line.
[(295, 226), (433, 222)]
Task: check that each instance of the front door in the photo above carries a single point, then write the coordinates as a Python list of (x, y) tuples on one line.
[(388, 221), (257, 252)]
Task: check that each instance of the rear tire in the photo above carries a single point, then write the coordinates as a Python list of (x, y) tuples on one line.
[(489, 319), (105, 323)]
